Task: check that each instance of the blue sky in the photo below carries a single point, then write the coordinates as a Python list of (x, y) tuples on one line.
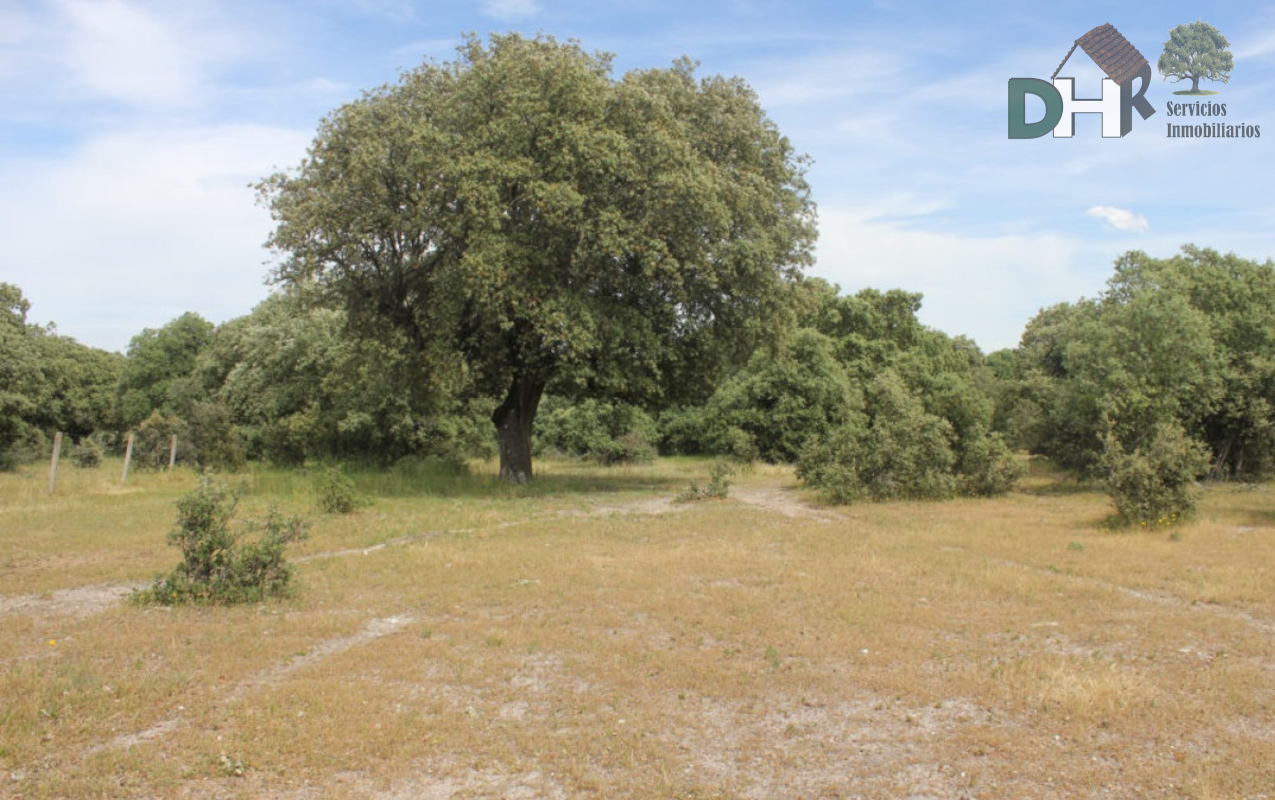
[(130, 130)]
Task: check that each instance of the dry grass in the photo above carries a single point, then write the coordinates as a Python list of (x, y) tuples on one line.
[(585, 638)]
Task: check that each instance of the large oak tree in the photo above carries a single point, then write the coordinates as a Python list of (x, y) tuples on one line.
[(524, 219)]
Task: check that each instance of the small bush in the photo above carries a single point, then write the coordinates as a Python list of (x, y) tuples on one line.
[(218, 567), (830, 464), (629, 448), (1153, 484), (152, 442), (87, 454), (987, 465), (215, 442), (718, 486), (335, 493), (22, 444), (608, 433)]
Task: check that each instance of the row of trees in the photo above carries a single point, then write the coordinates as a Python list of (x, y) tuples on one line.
[(1176, 356)]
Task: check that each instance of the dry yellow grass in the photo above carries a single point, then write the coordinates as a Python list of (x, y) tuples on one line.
[(587, 638)]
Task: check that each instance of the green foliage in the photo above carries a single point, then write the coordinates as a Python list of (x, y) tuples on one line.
[(48, 383), (159, 373), (781, 399), (717, 488), (986, 466), (524, 219), (898, 451), (300, 384), (214, 441), (1152, 485), (152, 442), (1196, 50), (220, 567), (606, 432), (87, 454), (1187, 341), (683, 430), (335, 494)]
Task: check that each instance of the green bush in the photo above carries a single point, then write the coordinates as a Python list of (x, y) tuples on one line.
[(1153, 484), (902, 453), (683, 431), (782, 400), (152, 442), (606, 432), (23, 444), (718, 486), (335, 493), (214, 441), (987, 465), (87, 454), (218, 566), (830, 464)]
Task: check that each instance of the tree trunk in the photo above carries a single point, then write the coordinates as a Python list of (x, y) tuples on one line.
[(1195, 83), (513, 419)]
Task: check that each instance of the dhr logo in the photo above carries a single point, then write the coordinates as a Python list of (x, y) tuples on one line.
[(1115, 56)]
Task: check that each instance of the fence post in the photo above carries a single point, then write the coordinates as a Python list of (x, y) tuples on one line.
[(128, 456), (172, 452), (53, 468)]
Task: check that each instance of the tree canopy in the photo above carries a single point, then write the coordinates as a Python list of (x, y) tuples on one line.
[(1187, 341), (525, 220), (1196, 50)]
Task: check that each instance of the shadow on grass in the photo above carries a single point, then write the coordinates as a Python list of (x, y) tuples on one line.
[(439, 479)]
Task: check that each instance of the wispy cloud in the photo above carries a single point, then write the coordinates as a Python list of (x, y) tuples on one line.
[(119, 51), (1121, 219), (985, 287), (140, 203), (1259, 44), (509, 10)]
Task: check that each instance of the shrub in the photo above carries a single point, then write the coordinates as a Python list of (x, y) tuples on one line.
[(629, 448), (1152, 485), (336, 493), (218, 567), (22, 444), (718, 486), (903, 453), (830, 464), (152, 442), (781, 400), (214, 441), (987, 466), (87, 454), (683, 431), (608, 433)]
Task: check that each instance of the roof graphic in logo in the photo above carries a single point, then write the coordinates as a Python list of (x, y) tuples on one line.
[(1112, 53)]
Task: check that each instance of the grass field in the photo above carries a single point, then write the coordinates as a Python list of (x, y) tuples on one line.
[(585, 637)]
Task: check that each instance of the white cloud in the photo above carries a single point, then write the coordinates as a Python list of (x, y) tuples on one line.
[(138, 227), (986, 288), (1259, 44), (509, 10), (820, 79), (1120, 219), (119, 51)]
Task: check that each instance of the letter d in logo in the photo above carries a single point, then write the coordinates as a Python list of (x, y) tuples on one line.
[(1019, 88)]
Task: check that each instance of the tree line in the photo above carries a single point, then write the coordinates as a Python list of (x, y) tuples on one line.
[(1178, 350)]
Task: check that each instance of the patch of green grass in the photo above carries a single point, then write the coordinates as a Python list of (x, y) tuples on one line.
[(1189, 93)]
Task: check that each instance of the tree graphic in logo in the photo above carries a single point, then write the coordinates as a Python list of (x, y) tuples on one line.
[(1196, 50)]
